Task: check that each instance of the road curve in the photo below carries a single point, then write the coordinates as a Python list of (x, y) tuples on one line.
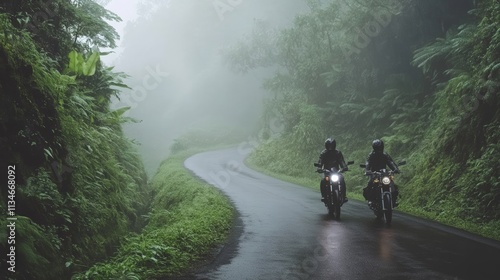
[(284, 233)]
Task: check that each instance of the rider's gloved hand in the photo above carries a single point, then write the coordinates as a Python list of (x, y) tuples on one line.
[(397, 171)]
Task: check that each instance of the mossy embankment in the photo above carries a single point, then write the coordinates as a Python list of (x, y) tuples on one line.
[(188, 219)]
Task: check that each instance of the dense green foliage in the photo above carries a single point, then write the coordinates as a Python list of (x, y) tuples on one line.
[(80, 186), (181, 228), (463, 138), (421, 75)]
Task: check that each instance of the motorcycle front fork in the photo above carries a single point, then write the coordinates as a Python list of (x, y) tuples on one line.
[(383, 205), (341, 193)]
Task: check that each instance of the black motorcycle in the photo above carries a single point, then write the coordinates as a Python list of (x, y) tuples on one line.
[(334, 198), (383, 181)]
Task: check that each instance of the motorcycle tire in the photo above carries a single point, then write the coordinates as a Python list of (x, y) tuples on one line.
[(388, 211), (337, 211), (337, 205)]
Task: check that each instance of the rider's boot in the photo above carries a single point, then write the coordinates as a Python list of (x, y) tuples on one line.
[(395, 200), (370, 204), (324, 200), (395, 197)]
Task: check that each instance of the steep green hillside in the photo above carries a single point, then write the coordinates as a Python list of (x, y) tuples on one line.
[(181, 229), (421, 75), (80, 187), (187, 221)]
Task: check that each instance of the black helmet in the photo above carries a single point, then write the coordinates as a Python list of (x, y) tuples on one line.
[(378, 145), (330, 144)]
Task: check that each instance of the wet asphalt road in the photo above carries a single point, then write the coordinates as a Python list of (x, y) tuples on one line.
[(284, 232)]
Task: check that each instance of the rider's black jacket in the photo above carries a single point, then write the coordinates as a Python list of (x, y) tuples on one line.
[(332, 159), (379, 160)]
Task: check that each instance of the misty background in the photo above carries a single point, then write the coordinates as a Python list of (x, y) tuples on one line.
[(172, 51)]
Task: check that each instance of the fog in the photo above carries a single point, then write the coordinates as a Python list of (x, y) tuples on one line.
[(172, 51)]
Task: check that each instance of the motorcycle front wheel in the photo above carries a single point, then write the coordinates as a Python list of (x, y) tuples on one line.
[(337, 205), (337, 211), (334, 206), (388, 207)]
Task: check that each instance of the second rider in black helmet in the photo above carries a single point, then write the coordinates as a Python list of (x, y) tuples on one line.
[(376, 161), (329, 158)]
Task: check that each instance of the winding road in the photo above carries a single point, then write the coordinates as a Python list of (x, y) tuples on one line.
[(283, 232)]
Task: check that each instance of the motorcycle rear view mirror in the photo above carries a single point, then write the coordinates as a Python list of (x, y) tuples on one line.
[(350, 162), (362, 165), (403, 162)]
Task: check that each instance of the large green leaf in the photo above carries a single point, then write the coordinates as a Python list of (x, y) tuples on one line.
[(74, 62), (119, 112), (90, 65)]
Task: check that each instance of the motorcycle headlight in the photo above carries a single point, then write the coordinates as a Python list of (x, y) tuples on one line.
[(386, 181), (335, 178)]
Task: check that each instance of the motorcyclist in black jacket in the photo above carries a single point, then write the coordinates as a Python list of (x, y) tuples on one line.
[(329, 158), (377, 160)]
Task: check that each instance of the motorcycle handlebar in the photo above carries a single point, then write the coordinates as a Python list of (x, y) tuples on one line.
[(369, 173), (321, 170)]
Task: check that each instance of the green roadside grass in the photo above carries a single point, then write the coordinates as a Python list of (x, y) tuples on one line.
[(188, 219)]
